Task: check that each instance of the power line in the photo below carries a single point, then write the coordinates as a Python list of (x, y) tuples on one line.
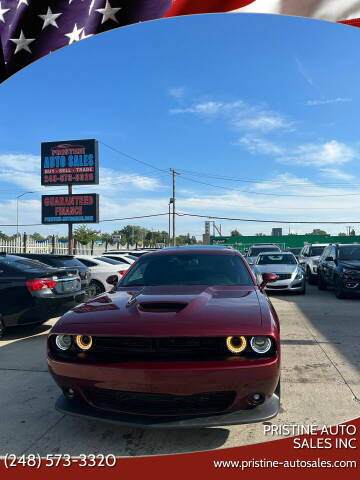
[(133, 158), (101, 221), (269, 194), (212, 217), (275, 182)]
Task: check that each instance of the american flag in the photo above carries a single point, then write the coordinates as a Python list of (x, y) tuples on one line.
[(31, 29)]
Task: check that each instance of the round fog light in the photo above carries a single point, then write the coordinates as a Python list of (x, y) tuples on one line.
[(260, 344), (84, 342), (63, 342), (236, 344), (69, 393), (257, 398)]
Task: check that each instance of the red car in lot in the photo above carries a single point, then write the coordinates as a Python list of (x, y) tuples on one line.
[(186, 339)]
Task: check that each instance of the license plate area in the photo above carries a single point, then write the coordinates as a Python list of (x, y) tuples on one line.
[(68, 286)]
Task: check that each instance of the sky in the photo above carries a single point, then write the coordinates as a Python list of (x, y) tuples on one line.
[(258, 114)]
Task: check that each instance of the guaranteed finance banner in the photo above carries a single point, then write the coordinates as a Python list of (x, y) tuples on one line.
[(71, 162), (70, 208)]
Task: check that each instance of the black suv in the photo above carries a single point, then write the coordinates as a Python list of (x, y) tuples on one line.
[(339, 266)]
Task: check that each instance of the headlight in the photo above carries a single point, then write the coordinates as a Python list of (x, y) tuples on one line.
[(260, 344), (350, 271), (236, 344), (63, 342), (84, 342), (299, 275)]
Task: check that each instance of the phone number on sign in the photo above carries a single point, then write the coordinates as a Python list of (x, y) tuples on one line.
[(58, 460)]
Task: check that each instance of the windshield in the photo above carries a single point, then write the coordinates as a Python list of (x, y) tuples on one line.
[(64, 262), (349, 252), (283, 259), (188, 269), (316, 251), (295, 251), (254, 251)]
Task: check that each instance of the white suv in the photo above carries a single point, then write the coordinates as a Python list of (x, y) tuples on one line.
[(309, 259)]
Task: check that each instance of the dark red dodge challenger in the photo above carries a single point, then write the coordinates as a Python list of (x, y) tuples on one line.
[(186, 339)]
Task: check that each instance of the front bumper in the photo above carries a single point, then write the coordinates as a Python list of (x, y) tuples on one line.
[(286, 285), (261, 413)]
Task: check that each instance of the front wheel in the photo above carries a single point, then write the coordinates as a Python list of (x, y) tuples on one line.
[(94, 289), (339, 288), (2, 328)]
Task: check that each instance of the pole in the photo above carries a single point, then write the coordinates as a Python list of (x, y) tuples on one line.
[(174, 207), (169, 241), (17, 218), (70, 230)]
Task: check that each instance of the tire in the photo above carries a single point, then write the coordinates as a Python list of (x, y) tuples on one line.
[(321, 282), (339, 289), (311, 278), (94, 289)]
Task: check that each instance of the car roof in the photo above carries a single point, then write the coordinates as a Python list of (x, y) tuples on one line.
[(317, 244), (213, 249)]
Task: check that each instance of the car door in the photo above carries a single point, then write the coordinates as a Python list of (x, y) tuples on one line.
[(330, 266), (14, 295), (302, 257)]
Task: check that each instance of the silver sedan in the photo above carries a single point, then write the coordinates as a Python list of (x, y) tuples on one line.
[(291, 277)]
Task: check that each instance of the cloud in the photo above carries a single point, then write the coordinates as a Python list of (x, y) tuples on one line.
[(177, 92), (260, 146), (319, 155), (336, 173), (16, 162), (312, 103), (239, 114)]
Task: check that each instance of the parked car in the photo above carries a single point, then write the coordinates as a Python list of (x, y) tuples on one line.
[(118, 258), (133, 253), (32, 292), (62, 261), (100, 271), (295, 250), (309, 259), (254, 251), (187, 338), (339, 266), (291, 277)]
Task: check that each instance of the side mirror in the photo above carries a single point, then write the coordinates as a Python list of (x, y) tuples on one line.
[(112, 280), (267, 278)]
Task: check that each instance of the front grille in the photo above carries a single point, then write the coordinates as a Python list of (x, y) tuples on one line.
[(159, 348), (276, 287), (283, 276), (159, 404)]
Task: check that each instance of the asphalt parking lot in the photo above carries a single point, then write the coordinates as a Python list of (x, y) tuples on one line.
[(320, 338)]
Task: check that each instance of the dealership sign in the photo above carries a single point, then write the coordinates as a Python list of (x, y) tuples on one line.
[(70, 208), (71, 162)]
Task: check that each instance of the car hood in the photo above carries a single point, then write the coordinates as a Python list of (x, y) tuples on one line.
[(350, 263), (275, 268), (189, 310)]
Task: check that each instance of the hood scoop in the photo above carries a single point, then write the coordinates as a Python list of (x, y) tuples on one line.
[(161, 307)]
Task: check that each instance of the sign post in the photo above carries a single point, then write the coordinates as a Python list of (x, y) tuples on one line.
[(70, 162)]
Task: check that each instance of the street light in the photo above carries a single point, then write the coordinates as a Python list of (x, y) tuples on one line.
[(17, 212)]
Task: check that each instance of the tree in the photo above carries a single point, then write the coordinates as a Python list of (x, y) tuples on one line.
[(317, 231), (260, 235), (37, 237), (84, 234), (342, 234), (107, 237), (235, 233), (4, 237)]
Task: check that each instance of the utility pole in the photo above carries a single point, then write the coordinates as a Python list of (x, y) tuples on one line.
[(70, 230), (174, 207), (170, 202)]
